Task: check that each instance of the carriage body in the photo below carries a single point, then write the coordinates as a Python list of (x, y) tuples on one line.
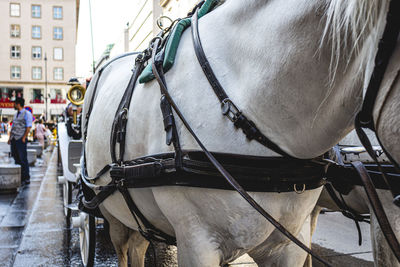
[(70, 152)]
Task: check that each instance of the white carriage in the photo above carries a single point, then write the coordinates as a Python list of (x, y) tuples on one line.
[(70, 147)]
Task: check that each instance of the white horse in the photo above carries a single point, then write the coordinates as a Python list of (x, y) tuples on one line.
[(295, 68)]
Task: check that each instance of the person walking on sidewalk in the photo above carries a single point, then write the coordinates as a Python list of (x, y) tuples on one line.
[(40, 132), (3, 127), (22, 124)]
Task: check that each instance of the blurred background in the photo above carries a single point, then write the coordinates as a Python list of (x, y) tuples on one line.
[(47, 42)]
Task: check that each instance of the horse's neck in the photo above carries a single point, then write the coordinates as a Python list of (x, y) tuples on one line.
[(278, 74)]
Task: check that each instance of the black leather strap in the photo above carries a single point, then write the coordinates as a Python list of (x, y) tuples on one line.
[(97, 199), (91, 104), (395, 190), (344, 177), (385, 50), (169, 119), (378, 209), (229, 109), (118, 130), (99, 73), (228, 177), (150, 232), (347, 211), (344, 208), (364, 118)]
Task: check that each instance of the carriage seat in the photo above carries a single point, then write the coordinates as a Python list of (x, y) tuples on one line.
[(173, 42)]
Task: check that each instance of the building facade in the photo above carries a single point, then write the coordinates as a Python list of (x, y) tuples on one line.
[(37, 53), (177, 8), (143, 26)]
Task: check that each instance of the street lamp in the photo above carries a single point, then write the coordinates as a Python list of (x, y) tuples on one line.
[(45, 83), (91, 34)]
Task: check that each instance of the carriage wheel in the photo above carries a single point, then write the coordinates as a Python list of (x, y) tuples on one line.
[(87, 239), (67, 198)]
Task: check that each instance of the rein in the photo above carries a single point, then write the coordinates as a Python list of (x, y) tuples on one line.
[(378, 209)]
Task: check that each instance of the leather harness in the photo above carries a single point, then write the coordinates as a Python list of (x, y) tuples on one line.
[(214, 170), (364, 119)]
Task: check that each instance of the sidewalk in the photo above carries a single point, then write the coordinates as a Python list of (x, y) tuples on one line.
[(44, 239), (15, 210)]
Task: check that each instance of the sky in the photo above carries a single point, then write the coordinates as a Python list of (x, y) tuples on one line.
[(109, 19)]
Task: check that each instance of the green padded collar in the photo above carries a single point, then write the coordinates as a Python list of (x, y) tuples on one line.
[(173, 42)]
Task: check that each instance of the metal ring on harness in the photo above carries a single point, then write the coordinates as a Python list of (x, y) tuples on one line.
[(299, 191), (160, 25), (125, 113), (230, 110)]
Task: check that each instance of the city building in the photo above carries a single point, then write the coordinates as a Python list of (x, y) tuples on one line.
[(37, 53), (177, 8), (143, 26)]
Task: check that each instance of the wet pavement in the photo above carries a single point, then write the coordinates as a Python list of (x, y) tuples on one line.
[(33, 229), (15, 210)]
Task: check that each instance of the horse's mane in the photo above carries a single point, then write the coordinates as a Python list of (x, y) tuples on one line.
[(354, 27)]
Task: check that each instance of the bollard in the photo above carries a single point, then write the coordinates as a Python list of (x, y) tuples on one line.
[(38, 147), (31, 156), (10, 177), (61, 180)]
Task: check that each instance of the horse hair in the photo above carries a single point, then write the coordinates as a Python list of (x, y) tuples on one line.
[(353, 28)]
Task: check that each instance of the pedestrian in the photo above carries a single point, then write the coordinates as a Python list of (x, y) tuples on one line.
[(22, 124), (3, 127), (40, 132)]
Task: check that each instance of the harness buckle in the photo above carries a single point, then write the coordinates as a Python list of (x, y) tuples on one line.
[(124, 114), (230, 110), (153, 41), (140, 57), (117, 172), (121, 183)]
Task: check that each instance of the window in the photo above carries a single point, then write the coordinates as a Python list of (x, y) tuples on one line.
[(37, 96), (36, 32), (58, 53), (36, 52), (56, 96), (15, 72), (36, 73), (58, 73), (57, 12), (15, 51), (36, 11), (15, 31), (57, 33), (8, 95), (15, 10)]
